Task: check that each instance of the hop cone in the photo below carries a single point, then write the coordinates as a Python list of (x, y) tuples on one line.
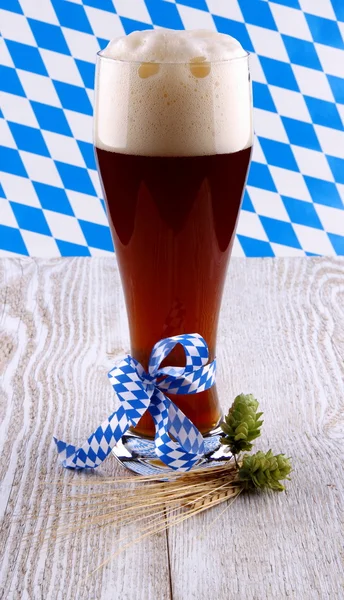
[(264, 471), (242, 424)]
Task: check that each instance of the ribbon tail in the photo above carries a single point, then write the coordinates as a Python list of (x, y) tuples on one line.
[(98, 446), (169, 419)]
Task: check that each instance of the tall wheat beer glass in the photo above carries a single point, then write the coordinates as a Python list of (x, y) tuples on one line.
[(173, 137)]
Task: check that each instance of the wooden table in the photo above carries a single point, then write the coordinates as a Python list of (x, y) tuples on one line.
[(281, 337)]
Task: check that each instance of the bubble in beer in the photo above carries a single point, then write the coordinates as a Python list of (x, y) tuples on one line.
[(199, 66), (147, 70)]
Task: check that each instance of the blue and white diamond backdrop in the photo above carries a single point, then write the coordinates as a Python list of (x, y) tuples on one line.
[(50, 198)]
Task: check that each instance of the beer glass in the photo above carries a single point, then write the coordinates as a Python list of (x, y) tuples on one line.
[(173, 145)]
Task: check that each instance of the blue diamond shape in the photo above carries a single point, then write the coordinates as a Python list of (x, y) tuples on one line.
[(301, 133), (235, 29), (10, 82), (280, 232), (51, 118), (325, 31), (53, 198), (98, 434), (196, 361), (87, 72), (101, 454), (338, 7), (11, 240), (177, 423), (246, 203), (187, 425), (278, 154), (255, 248), (103, 43), (26, 57), (302, 213), (337, 168), (72, 15), (130, 25), (11, 162), (259, 176), (82, 456), (262, 97), (279, 73), (258, 13), (87, 152), (91, 455), (73, 97), (337, 242), (200, 4), (337, 87), (30, 218), (301, 52), (97, 236), (69, 449), (164, 14), (324, 113), (2, 193), (184, 389), (291, 3), (102, 4), (29, 139), (13, 6), (49, 36), (75, 178), (323, 192)]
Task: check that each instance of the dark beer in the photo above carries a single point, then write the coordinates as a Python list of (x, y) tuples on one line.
[(173, 222), (173, 135)]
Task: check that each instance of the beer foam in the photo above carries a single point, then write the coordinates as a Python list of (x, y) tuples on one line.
[(168, 46), (173, 93)]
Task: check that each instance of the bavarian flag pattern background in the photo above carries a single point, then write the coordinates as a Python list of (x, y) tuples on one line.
[(50, 197)]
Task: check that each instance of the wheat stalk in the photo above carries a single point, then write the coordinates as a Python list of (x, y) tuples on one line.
[(153, 504)]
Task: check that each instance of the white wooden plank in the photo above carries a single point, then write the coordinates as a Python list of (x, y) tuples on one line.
[(281, 336), (62, 325)]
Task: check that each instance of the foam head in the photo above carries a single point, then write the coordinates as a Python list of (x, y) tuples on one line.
[(173, 93)]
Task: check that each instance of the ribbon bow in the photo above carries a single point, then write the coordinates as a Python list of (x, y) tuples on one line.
[(139, 391)]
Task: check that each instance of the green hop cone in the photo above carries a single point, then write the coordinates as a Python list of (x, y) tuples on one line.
[(264, 471), (242, 424)]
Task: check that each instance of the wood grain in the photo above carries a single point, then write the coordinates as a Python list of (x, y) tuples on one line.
[(62, 325)]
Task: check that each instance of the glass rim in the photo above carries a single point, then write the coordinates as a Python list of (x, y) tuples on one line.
[(101, 56)]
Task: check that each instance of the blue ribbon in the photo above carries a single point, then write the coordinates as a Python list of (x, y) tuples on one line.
[(139, 391)]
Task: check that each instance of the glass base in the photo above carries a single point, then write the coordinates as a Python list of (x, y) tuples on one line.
[(138, 454)]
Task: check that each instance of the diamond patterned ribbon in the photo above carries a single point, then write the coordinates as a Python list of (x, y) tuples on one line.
[(139, 391)]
